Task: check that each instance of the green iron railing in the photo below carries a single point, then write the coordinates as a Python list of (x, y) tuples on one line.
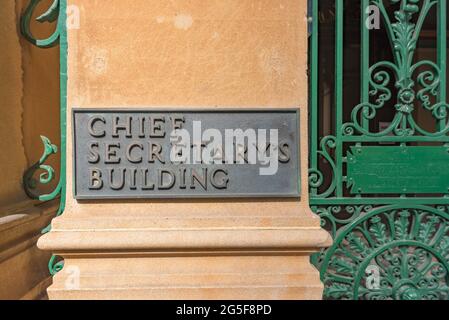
[(383, 193), (56, 13)]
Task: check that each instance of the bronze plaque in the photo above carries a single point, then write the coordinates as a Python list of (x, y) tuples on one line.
[(151, 153)]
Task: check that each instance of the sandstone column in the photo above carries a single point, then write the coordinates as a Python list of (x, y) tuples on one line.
[(206, 54)]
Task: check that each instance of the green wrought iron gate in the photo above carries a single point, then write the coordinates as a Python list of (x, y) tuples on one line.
[(379, 148)]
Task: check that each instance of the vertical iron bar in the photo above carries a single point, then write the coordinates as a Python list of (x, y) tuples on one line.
[(364, 67), (339, 95), (442, 53), (63, 51), (314, 91)]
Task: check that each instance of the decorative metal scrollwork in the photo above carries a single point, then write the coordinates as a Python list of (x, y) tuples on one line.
[(55, 13), (414, 85), (334, 217), (404, 84), (30, 183), (316, 179), (392, 253), (51, 15), (390, 243), (55, 264)]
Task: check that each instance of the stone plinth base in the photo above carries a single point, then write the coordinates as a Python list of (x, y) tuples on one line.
[(194, 277), (276, 273)]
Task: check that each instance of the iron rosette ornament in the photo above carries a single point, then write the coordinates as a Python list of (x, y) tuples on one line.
[(390, 253)]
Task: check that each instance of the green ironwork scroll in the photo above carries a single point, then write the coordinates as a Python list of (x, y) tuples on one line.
[(406, 246), (46, 177), (51, 15), (382, 191), (56, 13)]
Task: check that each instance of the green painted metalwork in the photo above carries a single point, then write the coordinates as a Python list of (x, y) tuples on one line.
[(46, 177), (407, 245), (51, 15), (57, 12), (396, 170), (382, 192)]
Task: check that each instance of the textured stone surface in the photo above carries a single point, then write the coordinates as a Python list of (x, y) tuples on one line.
[(245, 53)]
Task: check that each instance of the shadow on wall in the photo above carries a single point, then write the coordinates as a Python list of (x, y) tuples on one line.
[(29, 95)]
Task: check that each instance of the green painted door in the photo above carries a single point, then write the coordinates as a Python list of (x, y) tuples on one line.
[(379, 148)]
